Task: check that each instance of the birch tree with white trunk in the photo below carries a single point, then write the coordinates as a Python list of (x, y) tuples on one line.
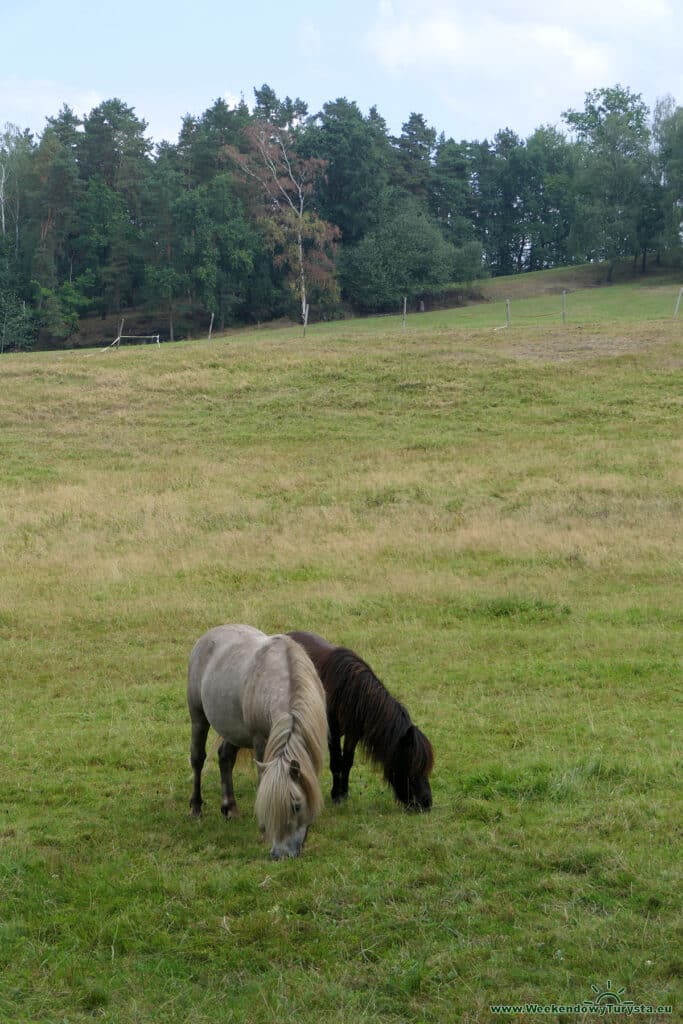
[(287, 182)]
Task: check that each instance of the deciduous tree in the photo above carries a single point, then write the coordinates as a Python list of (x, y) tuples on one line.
[(614, 175), (285, 181), (406, 255)]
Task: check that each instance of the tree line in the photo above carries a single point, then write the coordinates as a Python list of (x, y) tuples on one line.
[(273, 211)]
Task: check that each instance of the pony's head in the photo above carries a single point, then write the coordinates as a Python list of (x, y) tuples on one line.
[(410, 769), (289, 797)]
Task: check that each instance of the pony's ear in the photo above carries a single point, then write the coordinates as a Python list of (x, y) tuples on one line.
[(295, 770)]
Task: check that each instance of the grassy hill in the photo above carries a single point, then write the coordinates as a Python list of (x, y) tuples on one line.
[(491, 518), (630, 294), (576, 278)]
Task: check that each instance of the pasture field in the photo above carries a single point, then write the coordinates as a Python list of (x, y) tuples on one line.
[(491, 519)]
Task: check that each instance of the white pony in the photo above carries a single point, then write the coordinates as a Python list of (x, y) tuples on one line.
[(261, 692)]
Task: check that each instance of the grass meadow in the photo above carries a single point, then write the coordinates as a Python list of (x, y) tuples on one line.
[(492, 519)]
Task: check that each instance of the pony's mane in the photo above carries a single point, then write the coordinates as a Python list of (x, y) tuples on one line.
[(301, 736), (307, 703), (363, 706)]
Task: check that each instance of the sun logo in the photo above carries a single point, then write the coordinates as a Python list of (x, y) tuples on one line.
[(607, 996)]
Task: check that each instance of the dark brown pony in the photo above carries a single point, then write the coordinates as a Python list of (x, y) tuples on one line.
[(361, 709)]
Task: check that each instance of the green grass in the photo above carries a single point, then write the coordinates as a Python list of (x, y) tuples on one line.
[(492, 519), (536, 300)]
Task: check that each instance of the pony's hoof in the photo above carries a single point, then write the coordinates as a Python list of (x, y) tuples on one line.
[(230, 811), (339, 798), (417, 808), (195, 812)]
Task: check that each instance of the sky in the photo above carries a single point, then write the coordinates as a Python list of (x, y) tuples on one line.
[(469, 68)]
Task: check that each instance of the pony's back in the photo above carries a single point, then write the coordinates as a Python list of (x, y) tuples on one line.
[(361, 704)]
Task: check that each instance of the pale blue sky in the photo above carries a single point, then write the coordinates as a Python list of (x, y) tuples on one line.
[(469, 68)]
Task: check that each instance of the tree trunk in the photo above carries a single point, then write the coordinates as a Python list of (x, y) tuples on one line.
[(302, 275), (3, 174), (16, 228)]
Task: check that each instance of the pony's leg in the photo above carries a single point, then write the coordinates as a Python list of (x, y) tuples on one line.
[(259, 754), (336, 764), (227, 754), (350, 742), (200, 730)]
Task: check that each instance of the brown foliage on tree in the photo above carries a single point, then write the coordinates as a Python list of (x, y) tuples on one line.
[(300, 240)]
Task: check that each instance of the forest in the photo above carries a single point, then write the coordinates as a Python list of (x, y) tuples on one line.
[(267, 211)]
